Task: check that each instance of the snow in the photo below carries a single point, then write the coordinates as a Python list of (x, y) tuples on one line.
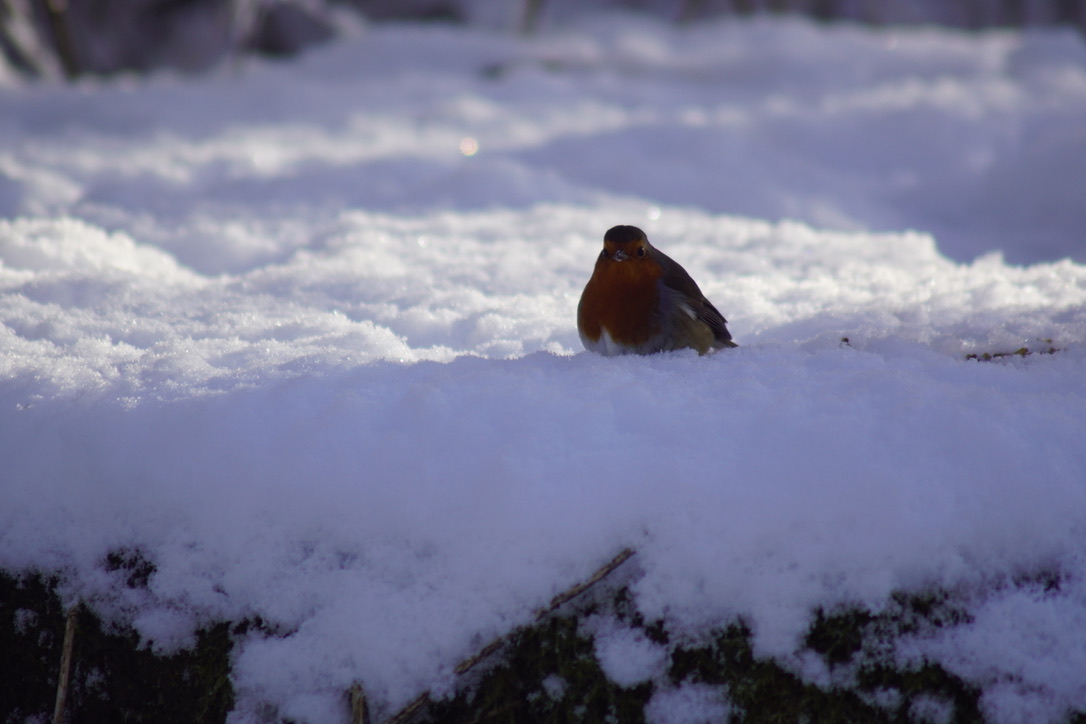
[(282, 330), (687, 704), (627, 656)]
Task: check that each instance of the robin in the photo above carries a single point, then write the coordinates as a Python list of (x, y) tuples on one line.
[(640, 301)]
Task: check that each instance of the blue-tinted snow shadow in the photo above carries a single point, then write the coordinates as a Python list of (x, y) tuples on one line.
[(1023, 202), (400, 184)]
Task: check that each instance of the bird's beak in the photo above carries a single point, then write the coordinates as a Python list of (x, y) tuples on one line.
[(619, 255)]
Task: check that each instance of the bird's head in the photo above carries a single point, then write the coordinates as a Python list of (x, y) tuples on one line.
[(626, 243)]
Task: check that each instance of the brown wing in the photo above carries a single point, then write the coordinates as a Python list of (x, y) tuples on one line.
[(676, 278)]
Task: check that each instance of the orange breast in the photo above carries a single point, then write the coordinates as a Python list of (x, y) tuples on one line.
[(621, 297)]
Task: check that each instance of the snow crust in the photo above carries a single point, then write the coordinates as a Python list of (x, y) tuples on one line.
[(277, 331)]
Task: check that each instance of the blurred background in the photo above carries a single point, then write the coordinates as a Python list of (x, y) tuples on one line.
[(68, 38)]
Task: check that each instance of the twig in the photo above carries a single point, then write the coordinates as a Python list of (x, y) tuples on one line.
[(360, 710), (470, 663), (411, 709), (60, 713), (1021, 352), (580, 588)]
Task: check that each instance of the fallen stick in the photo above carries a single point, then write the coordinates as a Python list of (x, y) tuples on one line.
[(360, 711), (468, 664), (580, 588), (60, 713)]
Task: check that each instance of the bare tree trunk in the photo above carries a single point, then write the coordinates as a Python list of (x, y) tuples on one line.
[(1070, 12), (57, 12), (530, 22), (824, 9), (1012, 13), (744, 7), (690, 10)]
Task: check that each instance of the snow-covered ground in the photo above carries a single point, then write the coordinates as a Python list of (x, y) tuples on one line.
[(304, 334)]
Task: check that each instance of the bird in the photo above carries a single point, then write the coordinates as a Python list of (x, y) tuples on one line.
[(640, 301)]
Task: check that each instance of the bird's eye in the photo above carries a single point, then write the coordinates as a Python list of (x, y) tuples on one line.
[(603, 254), (641, 251)]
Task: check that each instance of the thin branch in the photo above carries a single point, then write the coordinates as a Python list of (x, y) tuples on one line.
[(580, 588), (60, 713)]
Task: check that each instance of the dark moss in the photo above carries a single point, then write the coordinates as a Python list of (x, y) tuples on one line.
[(116, 679), (839, 637), (626, 611), (113, 677), (921, 612), (136, 568), (31, 636), (546, 672), (928, 681), (853, 635), (760, 690)]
